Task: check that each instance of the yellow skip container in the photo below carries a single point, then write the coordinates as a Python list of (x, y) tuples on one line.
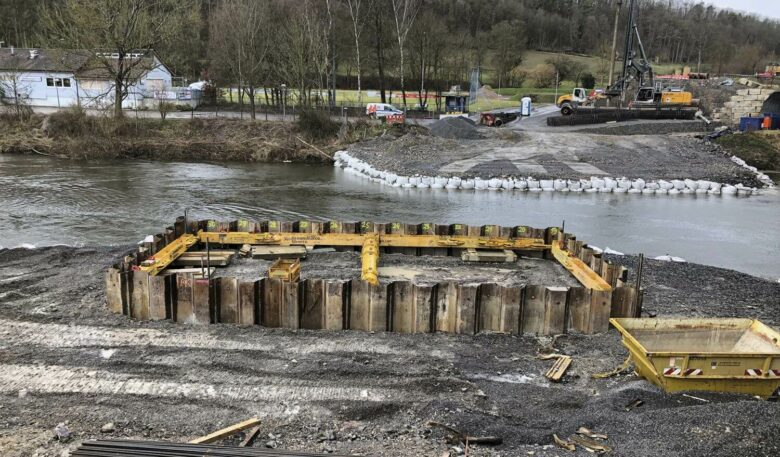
[(721, 355)]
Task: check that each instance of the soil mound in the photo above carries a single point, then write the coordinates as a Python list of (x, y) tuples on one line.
[(455, 128)]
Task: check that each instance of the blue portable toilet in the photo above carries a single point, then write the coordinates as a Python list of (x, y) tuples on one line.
[(525, 106)]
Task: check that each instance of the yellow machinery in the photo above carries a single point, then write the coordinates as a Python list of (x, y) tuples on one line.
[(722, 355), (370, 244)]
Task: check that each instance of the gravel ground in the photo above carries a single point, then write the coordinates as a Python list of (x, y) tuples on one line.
[(421, 270), (633, 151), (66, 359)]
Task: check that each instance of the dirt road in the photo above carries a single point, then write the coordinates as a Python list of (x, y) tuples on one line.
[(64, 358)]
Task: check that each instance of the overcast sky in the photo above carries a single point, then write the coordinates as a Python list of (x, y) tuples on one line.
[(766, 8)]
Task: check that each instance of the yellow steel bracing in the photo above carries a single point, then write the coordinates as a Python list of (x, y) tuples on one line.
[(369, 258), (577, 267), (357, 240), (168, 254)]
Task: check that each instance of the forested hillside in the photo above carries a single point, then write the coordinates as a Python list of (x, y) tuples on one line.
[(441, 39)]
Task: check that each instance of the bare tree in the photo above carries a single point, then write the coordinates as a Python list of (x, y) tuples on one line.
[(239, 46), (122, 30), (358, 19), (13, 94), (404, 12)]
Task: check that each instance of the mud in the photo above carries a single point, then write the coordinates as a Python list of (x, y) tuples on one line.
[(64, 358), (418, 269)]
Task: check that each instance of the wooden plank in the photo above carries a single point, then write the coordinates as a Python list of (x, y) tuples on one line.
[(579, 309), (534, 309), (291, 309), (158, 299), (601, 307), (247, 302), (446, 307), (139, 307), (411, 307), (227, 431), (555, 311), (273, 297), (623, 302), (467, 309), (555, 373), (511, 309), (114, 291), (313, 312), (185, 311), (368, 306), (423, 296), (578, 269), (278, 252), (201, 301), (228, 300), (334, 305), (489, 309)]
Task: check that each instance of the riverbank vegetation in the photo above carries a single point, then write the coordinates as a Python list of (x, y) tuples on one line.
[(759, 149), (71, 133)]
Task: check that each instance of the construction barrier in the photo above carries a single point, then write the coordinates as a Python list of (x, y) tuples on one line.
[(603, 115), (398, 306)]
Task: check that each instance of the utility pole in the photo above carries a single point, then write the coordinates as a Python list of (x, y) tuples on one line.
[(614, 43)]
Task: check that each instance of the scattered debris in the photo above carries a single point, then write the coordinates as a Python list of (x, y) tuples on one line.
[(250, 437), (608, 374), (556, 372), (565, 444), (227, 431), (704, 400), (458, 436), (586, 432), (62, 432), (634, 404), (108, 428), (589, 444)]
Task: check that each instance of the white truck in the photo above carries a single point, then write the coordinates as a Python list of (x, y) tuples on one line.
[(380, 110)]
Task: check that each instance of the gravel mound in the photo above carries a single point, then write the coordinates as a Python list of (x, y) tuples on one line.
[(455, 128)]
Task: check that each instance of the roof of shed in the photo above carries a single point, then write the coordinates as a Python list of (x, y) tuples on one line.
[(65, 60)]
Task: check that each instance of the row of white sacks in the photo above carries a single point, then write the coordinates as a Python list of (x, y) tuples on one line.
[(594, 184)]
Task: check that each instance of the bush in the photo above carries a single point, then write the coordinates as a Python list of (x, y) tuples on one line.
[(517, 76), (543, 75), (317, 124), (588, 81)]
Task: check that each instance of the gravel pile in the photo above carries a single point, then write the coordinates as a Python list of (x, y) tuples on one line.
[(455, 128)]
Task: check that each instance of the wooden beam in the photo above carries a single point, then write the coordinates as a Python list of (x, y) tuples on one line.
[(227, 431), (168, 254), (577, 267)]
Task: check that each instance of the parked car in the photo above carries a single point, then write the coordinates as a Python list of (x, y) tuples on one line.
[(380, 110)]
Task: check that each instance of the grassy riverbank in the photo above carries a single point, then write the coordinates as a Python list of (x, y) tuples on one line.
[(314, 137), (759, 149)]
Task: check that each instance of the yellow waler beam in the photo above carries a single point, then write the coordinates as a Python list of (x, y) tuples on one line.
[(168, 254), (577, 267), (349, 239), (369, 257)]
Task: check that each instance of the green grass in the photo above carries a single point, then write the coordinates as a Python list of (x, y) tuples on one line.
[(759, 149)]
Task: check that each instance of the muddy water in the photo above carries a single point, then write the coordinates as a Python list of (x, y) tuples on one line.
[(46, 201)]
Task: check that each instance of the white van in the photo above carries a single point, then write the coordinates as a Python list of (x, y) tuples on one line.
[(380, 110)]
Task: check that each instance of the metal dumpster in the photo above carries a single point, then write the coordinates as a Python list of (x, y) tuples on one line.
[(722, 355)]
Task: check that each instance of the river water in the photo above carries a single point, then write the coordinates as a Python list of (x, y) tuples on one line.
[(46, 201)]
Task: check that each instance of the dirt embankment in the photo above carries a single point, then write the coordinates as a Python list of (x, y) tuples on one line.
[(759, 149), (73, 134), (64, 357)]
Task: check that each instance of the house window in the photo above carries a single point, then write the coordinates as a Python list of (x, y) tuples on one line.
[(58, 82)]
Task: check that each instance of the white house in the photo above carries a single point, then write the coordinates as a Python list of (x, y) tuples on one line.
[(61, 78)]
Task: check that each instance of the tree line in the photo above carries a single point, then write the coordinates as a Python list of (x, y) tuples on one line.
[(308, 48)]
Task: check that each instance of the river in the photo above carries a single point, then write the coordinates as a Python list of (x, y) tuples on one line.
[(46, 201)]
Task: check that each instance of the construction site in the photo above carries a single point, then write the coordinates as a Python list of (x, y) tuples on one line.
[(410, 282)]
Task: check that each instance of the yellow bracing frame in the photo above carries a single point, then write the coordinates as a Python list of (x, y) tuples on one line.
[(168, 254), (577, 267), (370, 244)]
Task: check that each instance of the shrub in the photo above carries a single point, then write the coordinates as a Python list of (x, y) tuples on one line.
[(317, 124), (588, 81), (543, 75)]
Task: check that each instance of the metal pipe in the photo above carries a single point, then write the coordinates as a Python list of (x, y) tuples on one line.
[(639, 269), (369, 256)]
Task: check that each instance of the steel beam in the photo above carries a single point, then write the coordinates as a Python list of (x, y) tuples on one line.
[(577, 267)]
